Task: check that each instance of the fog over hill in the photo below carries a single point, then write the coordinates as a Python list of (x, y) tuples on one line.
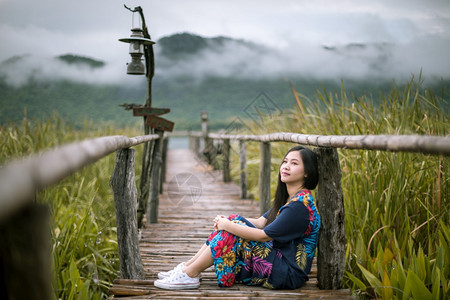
[(193, 73), (187, 54), (228, 57)]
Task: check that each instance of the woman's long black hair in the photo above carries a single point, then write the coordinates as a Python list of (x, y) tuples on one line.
[(309, 159)]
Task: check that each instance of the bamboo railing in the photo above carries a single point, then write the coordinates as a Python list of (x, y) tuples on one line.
[(20, 179), (25, 244), (332, 241), (25, 241)]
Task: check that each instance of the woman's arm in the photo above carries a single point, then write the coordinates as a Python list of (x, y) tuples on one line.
[(249, 233), (259, 223)]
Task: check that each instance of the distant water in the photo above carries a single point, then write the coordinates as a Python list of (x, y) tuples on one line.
[(178, 143)]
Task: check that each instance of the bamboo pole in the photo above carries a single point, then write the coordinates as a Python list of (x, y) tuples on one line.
[(20, 179), (396, 143)]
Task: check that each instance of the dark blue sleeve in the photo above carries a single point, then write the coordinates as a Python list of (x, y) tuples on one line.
[(247, 222), (266, 213), (291, 223)]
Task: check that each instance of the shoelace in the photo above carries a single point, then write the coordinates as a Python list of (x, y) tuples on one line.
[(175, 270)]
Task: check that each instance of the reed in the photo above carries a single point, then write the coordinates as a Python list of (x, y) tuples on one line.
[(397, 206), (85, 255)]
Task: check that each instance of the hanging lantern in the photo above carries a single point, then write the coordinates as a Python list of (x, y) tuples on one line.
[(137, 42)]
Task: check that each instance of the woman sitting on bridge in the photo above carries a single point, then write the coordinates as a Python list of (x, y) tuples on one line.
[(276, 250)]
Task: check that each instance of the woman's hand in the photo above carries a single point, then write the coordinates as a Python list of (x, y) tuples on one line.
[(220, 223), (246, 232)]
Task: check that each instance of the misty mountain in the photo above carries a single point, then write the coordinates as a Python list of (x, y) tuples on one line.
[(224, 76), (192, 55), (182, 45), (81, 61)]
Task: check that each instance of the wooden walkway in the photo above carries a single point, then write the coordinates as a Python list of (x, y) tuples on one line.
[(185, 221)]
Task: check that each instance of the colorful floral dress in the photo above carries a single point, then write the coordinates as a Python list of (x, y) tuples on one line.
[(282, 263)]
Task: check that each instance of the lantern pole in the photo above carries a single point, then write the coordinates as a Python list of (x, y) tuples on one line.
[(148, 147)]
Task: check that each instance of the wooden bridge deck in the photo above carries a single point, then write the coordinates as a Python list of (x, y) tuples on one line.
[(183, 226)]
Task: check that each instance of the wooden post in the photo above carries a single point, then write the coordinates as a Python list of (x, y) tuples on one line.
[(149, 146), (205, 130), (25, 255), (196, 145), (226, 161), (145, 175), (330, 204), (125, 200), (243, 169), (191, 141), (165, 148), (264, 177), (153, 198), (208, 150)]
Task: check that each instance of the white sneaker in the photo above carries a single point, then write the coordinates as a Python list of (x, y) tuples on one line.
[(177, 269), (178, 281)]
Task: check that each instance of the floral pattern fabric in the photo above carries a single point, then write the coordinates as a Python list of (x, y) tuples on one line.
[(283, 262)]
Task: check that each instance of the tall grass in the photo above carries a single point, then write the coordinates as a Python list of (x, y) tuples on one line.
[(397, 204), (85, 256)]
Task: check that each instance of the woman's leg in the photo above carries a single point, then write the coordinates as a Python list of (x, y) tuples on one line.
[(202, 261), (194, 258)]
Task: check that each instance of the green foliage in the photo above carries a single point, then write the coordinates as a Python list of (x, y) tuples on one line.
[(397, 210), (85, 255), (223, 97), (397, 205), (74, 102)]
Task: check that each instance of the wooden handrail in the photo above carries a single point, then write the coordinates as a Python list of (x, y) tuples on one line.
[(20, 179), (397, 143), (329, 196)]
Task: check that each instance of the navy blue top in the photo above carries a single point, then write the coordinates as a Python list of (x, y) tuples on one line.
[(281, 263), (295, 233)]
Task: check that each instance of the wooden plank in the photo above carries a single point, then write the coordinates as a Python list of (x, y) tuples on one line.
[(141, 111), (159, 123), (182, 230)]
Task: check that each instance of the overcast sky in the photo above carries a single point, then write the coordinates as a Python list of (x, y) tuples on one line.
[(91, 28)]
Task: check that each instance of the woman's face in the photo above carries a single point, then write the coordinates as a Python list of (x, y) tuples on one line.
[(292, 170)]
